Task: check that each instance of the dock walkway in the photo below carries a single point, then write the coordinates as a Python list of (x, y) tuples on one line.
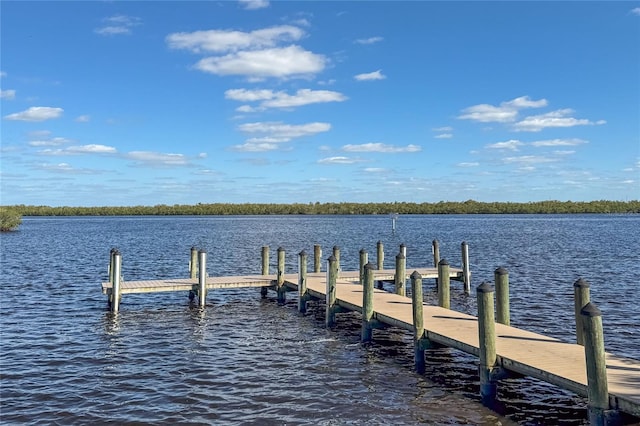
[(520, 351)]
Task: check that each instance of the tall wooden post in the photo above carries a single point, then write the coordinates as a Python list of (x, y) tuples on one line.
[(581, 296), (487, 342), (302, 282), (380, 253), (265, 269), (400, 275), (597, 387), (501, 276), (115, 285), (202, 281), (444, 295), (367, 304), (317, 258), (332, 276), (466, 272), (435, 250), (280, 278), (364, 259), (418, 320), (110, 271), (336, 254), (403, 249), (193, 263)]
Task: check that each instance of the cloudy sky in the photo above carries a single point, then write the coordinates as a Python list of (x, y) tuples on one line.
[(160, 102)]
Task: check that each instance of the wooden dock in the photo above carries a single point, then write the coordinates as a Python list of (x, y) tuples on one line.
[(516, 351)]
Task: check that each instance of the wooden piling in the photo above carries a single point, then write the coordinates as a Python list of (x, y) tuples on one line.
[(193, 263), (336, 254), (597, 387), (202, 281), (435, 250), (115, 289), (380, 252), (280, 289), (444, 295), (418, 321), (403, 249), (332, 276), (265, 269), (364, 259), (303, 296), (317, 258), (367, 304), (581, 296), (400, 280), (466, 271), (487, 342), (501, 276), (110, 271)]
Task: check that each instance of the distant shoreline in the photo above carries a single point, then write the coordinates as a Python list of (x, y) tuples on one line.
[(442, 207)]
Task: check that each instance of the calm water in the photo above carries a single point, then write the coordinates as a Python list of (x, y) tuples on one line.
[(65, 359)]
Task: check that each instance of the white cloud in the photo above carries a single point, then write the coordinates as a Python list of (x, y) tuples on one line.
[(83, 119), (231, 40), (444, 136), (375, 75), (77, 150), (157, 158), (281, 99), (67, 168), (505, 113), (370, 40), (255, 147), (286, 62), (339, 160), (473, 164), (117, 25), (380, 147), (635, 11), (3, 74), (58, 141), (558, 118), (443, 129), (254, 4), (91, 149), (559, 142), (375, 170), (7, 94), (36, 114), (281, 130), (529, 159), (511, 144)]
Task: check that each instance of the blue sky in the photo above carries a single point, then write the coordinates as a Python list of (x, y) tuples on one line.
[(159, 102)]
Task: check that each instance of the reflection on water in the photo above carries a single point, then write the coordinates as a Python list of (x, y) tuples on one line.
[(242, 359)]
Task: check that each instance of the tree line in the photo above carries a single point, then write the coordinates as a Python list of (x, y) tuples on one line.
[(345, 208)]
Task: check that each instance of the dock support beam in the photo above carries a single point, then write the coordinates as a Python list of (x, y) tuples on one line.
[(116, 272), (303, 296), (581, 296), (317, 258), (466, 272), (487, 343), (364, 259), (202, 281), (367, 304), (280, 289), (418, 321), (400, 276), (336, 255), (332, 275), (435, 250), (265, 268), (597, 388), (503, 315), (380, 253), (444, 295)]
